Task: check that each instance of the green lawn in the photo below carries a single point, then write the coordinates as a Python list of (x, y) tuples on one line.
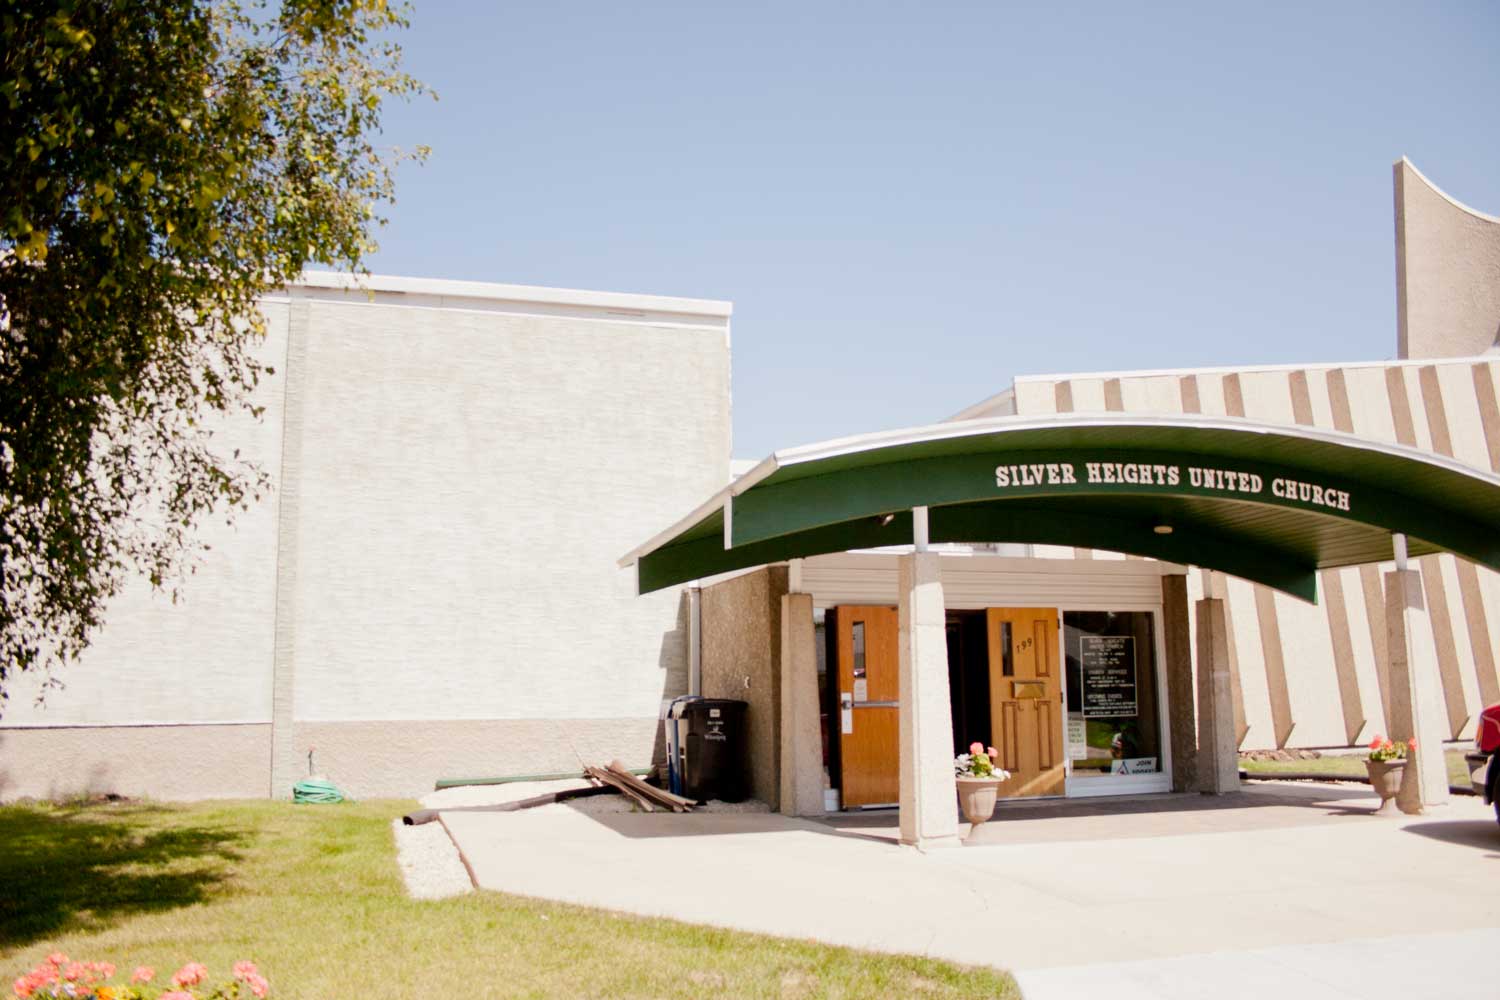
[(1348, 764), (312, 894)]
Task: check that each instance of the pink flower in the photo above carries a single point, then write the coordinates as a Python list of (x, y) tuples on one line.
[(257, 984), (1412, 743), (189, 975), (994, 754), (42, 975), (976, 748), (57, 958), (244, 970), (106, 969), (142, 974), (34, 980), (1375, 743), (176, 995), (72, 971)]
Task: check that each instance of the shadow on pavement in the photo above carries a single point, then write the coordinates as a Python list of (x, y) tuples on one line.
[(1480, 833), (1261, 805)]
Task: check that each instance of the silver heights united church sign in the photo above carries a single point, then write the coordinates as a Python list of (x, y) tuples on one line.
[(1172, 478)]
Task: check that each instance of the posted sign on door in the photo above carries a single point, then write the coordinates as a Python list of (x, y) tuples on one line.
[(1107, 665)]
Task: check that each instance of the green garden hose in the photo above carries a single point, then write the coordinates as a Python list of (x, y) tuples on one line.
[(316, 791)]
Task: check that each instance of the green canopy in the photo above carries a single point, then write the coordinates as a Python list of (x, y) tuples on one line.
[(1269, 503)]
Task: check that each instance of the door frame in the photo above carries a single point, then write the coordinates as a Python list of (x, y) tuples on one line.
[(1062, 696), (833, 627), (1074, 787)]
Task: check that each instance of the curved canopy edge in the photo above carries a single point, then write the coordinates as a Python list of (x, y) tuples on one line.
[(1268, 503)]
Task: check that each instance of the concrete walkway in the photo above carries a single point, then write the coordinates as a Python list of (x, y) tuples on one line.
[(1280, 890)]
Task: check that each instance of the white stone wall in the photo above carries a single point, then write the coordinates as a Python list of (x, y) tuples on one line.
[(208, 657), (458, 468), (469, 480)]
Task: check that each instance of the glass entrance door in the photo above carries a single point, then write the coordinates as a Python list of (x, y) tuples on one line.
[(1114, 736)]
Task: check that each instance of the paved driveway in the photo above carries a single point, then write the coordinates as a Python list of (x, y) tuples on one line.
[(1278, 891)]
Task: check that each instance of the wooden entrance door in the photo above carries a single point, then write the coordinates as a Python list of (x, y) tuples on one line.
[(1026, 699), (866, 707)]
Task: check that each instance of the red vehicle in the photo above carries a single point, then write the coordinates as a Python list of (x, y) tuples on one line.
[(1484, 762)]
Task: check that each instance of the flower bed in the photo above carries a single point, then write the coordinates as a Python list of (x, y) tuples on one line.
[(59, 977)]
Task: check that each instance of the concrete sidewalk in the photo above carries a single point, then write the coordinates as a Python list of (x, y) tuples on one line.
[(1408, 965), (1164, 895)]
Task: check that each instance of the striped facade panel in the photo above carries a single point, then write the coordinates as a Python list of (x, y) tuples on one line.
[(1047, 397), (1305, 675)]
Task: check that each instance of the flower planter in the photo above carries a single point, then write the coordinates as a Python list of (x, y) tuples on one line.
[(977, 796), (1385, 778)]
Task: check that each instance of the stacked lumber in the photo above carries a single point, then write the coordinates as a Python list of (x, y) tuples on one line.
[(614, 778), (648, 797)]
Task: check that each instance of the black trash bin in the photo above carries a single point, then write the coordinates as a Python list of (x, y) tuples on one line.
[(713, 741)]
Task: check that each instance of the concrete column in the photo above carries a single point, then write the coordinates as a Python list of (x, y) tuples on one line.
[(1218, 767), (929, 794), (801, 742), (288, 763), (1181, 710), (1416, 701)]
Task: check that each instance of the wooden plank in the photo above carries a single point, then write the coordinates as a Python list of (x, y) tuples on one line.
[(609, 778), (666, 798)]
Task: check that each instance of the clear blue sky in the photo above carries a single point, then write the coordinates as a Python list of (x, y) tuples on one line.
[(911, 205)]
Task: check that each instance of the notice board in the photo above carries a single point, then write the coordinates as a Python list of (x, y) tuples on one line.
[(1107, 665)]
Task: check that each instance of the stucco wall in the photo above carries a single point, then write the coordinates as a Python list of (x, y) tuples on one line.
[(159, 762), (405, 759), (1447, 272), (742, 660), (365, 759), (1181, 701)]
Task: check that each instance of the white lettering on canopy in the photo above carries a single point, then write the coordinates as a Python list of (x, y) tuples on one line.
[(1198, 478)]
